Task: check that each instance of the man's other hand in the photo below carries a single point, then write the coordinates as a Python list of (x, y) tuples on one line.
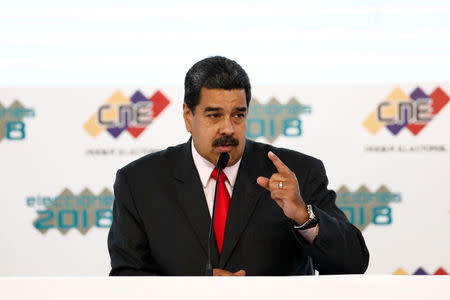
[(220, 272)]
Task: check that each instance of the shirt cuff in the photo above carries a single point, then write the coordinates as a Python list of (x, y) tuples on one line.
[(309, 234)]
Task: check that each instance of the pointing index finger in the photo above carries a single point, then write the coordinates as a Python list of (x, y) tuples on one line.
[(281, 167)]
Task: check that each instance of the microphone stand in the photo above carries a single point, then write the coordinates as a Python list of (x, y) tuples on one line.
[(209, 271)]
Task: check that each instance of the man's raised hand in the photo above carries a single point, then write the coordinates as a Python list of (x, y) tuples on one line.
[(284, 189)]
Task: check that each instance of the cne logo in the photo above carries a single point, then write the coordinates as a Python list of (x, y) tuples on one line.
[(401, 110), (12, 125), (121, 113), (70, 211), (421, 271), (363, 207), (274, 119)]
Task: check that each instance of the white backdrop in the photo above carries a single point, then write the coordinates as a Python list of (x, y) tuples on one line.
[(58, 153)]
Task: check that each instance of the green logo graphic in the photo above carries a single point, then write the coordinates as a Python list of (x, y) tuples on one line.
[(274, 119), (69, 211), (12, 126), (363, 207)]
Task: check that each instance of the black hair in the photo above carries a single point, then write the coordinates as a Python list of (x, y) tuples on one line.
[(215, 72)]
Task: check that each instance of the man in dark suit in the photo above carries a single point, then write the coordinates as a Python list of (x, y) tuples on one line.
[(276, 216)]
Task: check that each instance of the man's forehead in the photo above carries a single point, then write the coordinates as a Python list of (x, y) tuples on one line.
[(218, 108), (221, 97)]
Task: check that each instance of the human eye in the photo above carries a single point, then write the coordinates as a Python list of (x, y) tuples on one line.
[(213, 115), (239, 115)]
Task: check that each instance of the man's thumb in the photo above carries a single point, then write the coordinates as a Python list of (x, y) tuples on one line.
[(263, 181)]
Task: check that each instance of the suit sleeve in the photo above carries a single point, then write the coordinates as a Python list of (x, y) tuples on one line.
[(339, 248), (127, 241)]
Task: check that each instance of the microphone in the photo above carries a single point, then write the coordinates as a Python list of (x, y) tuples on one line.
[(223, 161), (221, 164)]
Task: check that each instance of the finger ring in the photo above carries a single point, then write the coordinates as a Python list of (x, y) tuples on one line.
[(280, 185)]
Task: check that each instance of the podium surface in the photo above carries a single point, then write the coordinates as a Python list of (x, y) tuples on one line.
[(346, 287)]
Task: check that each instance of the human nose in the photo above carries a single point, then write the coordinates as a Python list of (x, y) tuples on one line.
[(226, 127)]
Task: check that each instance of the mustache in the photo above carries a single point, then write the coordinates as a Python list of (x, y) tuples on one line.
[(225, 141)]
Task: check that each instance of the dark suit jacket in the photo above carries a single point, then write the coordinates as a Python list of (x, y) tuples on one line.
[(161, 220)]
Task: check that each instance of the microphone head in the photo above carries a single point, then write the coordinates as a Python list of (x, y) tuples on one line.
[(223, 160)]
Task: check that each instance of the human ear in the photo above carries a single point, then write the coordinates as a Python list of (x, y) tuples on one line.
[(187, 115)]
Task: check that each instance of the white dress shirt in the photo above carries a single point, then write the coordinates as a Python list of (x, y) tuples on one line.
[(205, 168)]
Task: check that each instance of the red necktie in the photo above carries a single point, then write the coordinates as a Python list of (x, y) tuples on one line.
[(222, 204)]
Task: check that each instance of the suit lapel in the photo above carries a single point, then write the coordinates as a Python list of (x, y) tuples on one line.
[(191, 198), (246, 194)]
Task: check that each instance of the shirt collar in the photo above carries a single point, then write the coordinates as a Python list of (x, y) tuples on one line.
[(204, 168)]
